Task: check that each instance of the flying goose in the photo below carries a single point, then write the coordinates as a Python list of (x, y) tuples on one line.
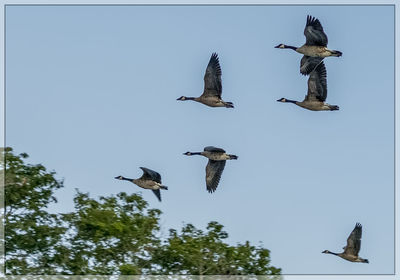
[(216, 162), (150, 180), (212, 86), (352, 248), (317, 92), (315, 49)]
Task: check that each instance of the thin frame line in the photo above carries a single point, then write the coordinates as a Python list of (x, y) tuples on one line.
[(215, 5)]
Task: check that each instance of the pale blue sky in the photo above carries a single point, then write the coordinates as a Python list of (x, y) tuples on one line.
[(91, 93)]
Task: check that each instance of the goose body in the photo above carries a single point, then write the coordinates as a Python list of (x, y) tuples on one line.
[(315, 49), (212, 86), (150, 180), (217, 158), (352, 248), (317, 92)]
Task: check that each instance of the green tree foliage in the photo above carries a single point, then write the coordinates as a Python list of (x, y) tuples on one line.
[(204, 253), (118, 234), (114, 235), (31, 233)]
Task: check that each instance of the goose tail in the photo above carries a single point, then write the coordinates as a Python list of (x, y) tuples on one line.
[(229, 105), (336, 53), (333, 107), (233, 157)]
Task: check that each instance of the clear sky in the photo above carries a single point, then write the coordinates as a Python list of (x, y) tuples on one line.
[(91, 93)]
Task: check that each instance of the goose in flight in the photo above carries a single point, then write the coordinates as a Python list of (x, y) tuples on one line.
[(212, 86), (217, 158), (150, 180), (317, 92), (315, 49), (352, 248)]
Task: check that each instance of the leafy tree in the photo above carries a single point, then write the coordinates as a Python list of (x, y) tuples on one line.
[(30, 232), (112, 235), (115, 235), (204, 253)]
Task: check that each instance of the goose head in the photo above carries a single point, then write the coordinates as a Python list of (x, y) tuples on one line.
[(280, 46)]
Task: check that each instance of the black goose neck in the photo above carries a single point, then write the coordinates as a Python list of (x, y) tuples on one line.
[(290, 47)]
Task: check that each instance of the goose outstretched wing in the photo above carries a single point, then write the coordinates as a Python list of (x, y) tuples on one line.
[(212, 77), (308, 64), (151, 175), (157, 193), (354, 241), (214, 149), (315, 35), (317, 89), (214, 170)]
